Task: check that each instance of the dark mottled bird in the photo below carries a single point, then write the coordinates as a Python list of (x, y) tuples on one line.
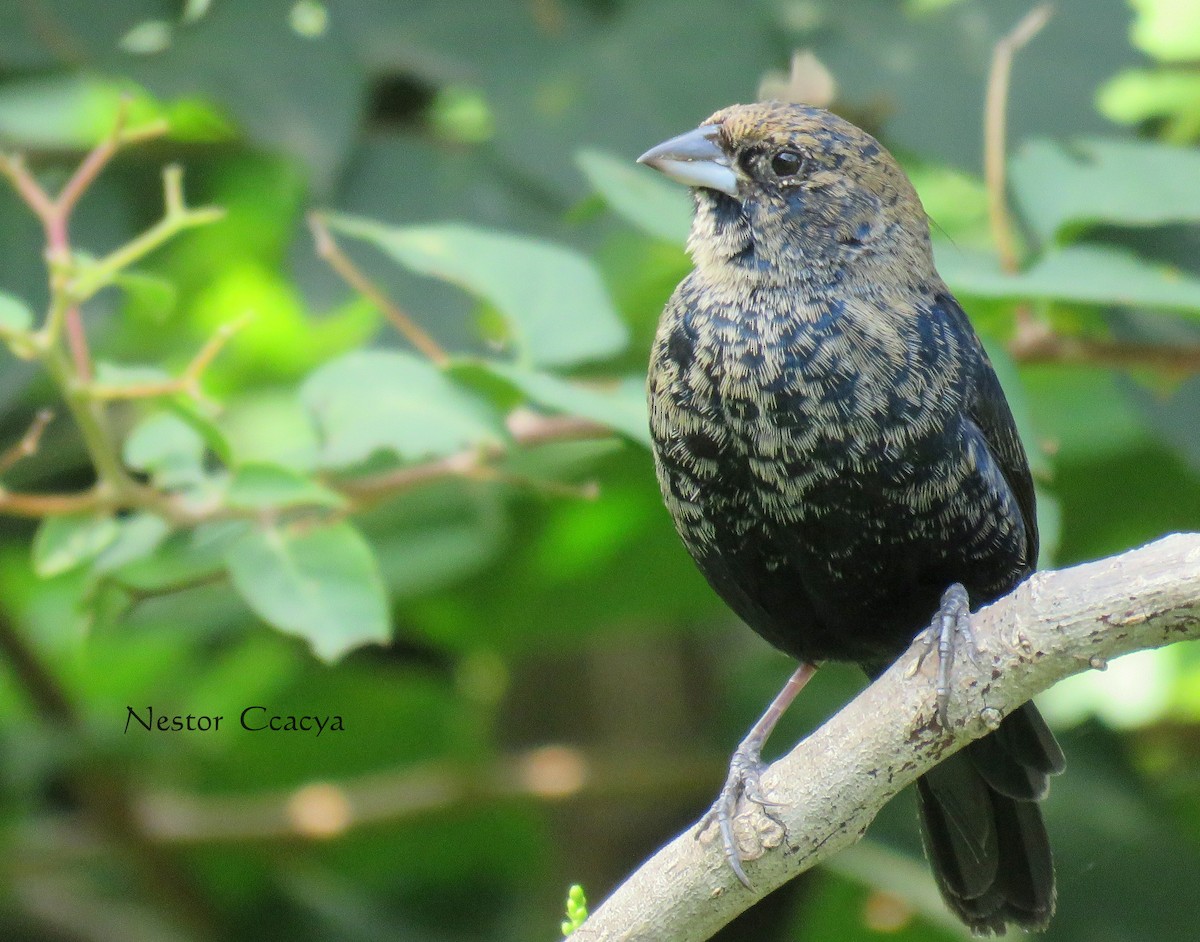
[(839, 458)]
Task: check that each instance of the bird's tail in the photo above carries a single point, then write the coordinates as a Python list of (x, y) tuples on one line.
[(983, 830)]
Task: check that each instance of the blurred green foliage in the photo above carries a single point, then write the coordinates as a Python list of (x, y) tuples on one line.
[(461, 552)]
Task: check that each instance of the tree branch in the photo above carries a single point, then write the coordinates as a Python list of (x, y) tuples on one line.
[(831, 786)]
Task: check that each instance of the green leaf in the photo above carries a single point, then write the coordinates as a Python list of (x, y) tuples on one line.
[(639, 195), (553, 302), (168, 448), (1125, 183), (138, 536), (270, 427), (1085, 274), (1167, 29), (1170, 95), (267, 487), (15, 316), (622, 406), (375, 400), (188, 411), (62, 543), (322, 585), (185, 558)]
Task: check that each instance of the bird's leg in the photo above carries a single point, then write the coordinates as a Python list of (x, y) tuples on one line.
[(950, 626), (745, 768)]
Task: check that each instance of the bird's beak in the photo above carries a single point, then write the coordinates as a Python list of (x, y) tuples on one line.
[(696, 159)]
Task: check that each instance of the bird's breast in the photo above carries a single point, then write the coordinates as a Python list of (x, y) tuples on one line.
[(798, 403)]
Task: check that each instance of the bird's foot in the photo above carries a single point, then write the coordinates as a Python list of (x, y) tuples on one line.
[(744, 781), (951, 626)]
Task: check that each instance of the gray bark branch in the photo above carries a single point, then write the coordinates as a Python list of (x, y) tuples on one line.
[(834, 782)]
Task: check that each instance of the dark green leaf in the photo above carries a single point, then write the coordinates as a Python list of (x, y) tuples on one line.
[(555, 307), (321, 584), (375, 400)]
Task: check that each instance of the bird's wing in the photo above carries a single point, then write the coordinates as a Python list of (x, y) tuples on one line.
[(988, 408)]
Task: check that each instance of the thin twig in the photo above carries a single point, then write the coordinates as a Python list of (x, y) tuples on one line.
[(55, 215), (1036, 342), (994, 134), (328, 249), (187, 382), (38, 506), (176, 218), (28, 445), (527, 429), (26, 185)]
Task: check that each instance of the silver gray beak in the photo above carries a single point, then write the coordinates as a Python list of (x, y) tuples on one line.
[(695, 159)]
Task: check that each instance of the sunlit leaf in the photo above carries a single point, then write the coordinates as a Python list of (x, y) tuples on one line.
[(14, 313), (555, 307), (278, 340), (375, 400), (639, 195), (1167, 29), (321, 584), (1138, 95), (147, 38)]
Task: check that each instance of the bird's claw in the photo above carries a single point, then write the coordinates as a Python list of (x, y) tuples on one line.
[(950, 627), (744, 781)]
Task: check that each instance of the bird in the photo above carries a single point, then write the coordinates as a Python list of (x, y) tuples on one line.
[(839, 458)]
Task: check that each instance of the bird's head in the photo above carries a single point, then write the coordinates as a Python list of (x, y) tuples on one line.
[(791, 191)]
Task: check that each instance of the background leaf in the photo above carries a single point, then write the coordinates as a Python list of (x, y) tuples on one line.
[(555, 308), (620, 406), (372, 401), (1087, 274), (1090, 181), (62, 543), (322, 585), (266, 487), (639, 195)]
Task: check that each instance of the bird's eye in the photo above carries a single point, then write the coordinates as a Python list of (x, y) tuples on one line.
[(787, 163)]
